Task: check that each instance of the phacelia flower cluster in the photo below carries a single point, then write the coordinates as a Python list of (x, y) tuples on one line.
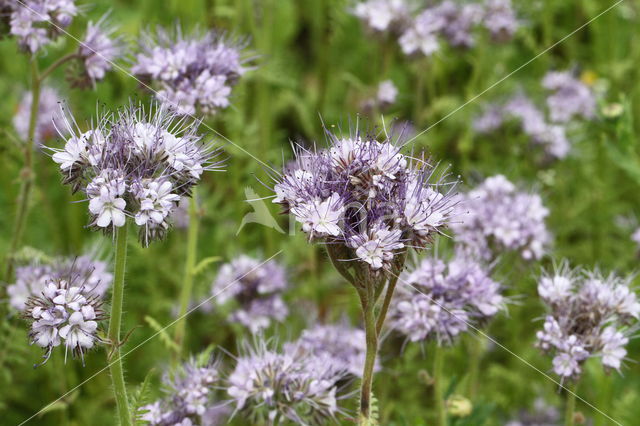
[(291, 384), (98, 51), (191, 397), (191, 73), (455, 23), (84, 271), (383, 15), (438, 299), (136, 163), (256, 287), (66, 312), (36, 23), (570, 99), (49, 117), (365, 199), (344, 345), (589, 315), (499, 218)]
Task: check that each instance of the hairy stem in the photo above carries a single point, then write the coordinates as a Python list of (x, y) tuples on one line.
[(54, 66), (190, 264), (438, 388), (115, 367), (391, 286), (370, 358), (27, 172), (569, 417)]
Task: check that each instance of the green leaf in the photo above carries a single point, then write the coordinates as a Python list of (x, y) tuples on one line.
[(202, 265), (140, 398), (162, 333)]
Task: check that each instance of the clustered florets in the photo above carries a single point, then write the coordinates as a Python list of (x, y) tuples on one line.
[(570, 99), (439, 300), (97, 51), (191, 399), (499, 218), (135, 163), (83, 271), (589, 316), (48, 118), (453, 22), (365, 197), (37, 23), (257, 289), (192, 73), (65, 312), (294, 384), (345, 346)]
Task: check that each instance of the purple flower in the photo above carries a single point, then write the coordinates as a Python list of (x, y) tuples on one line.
[(136, 163), (365, 199), (49, 116), (256, 288), (500, 218), (570, 98), (36, 23), (589, 315), (195, 72), (99, 50), (382, 15), (438, 300), (500, 19)]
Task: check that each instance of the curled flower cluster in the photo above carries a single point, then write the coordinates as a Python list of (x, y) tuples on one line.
[(196, 72), (365, 199), (67, 312), (256, 287), (191, 398), (136, 163), (589, 315), (439, 300), (36, 23), (98, 50), (455, 23), (31, 280), (500, 218), (293, 384), (570, 99), (49, 117), (344, 345)]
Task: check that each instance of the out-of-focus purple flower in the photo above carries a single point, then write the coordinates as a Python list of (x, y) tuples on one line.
[(437, 300), (195, 72), (385, 96), (570, 98), (136, 163), (36, 23), (256, 288), (294, 384), (365, 199), (500, 19), (500, 218), (421, 36), (99, 49), (589, 315), (49, 116), (541, 414), (635, 237), (345, 346), (383, 15), (84, 271), (190, 397)]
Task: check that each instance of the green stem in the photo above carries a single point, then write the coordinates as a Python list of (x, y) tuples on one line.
[(115, 367), (475, 348), (190, 263), (27, 173), (570, 405), (438, 388), (417, 113), (370, 358), (57, 64), (390, 289)]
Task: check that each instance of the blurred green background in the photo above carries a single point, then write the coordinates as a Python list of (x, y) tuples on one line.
[(316, 62)]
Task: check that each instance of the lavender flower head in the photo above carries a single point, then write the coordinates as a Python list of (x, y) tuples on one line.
[(36, 23), (190, 397), (345, 346), (500, 19), (98, 50), (589, 315), (383, 15), (32, 279), (65, 312), (297, 386), (49, 117), (499, 218), (439, 299), (135, 163), (191, 73), (570, 98), (365, 200), (256, 287)]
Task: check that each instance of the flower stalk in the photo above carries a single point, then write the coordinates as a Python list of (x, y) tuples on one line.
[(368, 305), (438, 388), (115, 367), (569, 419)]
